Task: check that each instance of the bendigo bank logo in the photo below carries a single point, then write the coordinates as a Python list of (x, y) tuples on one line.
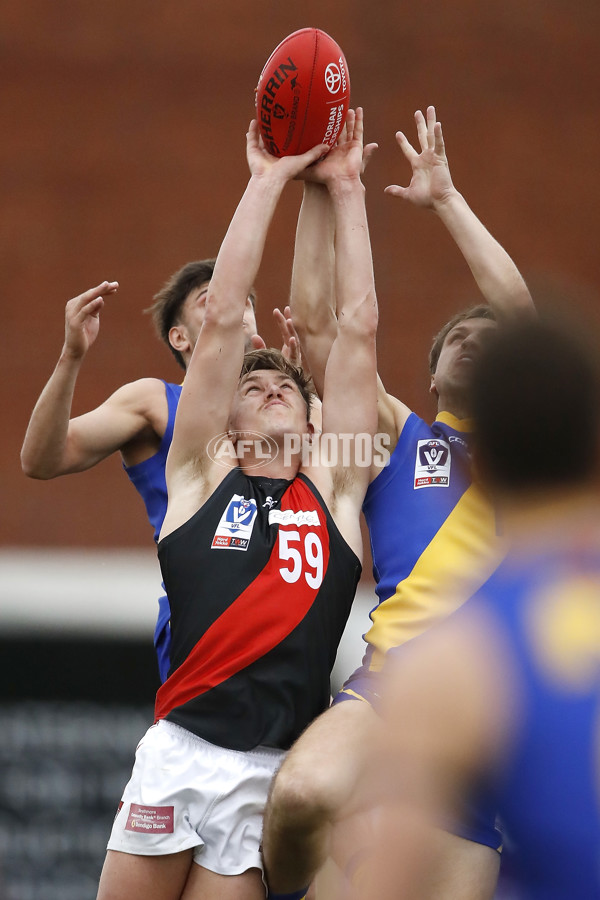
[(432, 465)]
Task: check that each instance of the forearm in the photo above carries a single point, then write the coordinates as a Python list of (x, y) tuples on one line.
[(43, 454), (352, 369), (312, 294), (496, 275), (214, 369), (312, 297), (355, 291), (241, 252)]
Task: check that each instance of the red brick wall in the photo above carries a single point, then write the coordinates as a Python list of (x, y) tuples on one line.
[(122, 156)]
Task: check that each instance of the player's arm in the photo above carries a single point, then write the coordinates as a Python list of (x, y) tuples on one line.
[(350, 391), (54, 443), (213, 373), (431, 187), (134, 416), (312, 293)]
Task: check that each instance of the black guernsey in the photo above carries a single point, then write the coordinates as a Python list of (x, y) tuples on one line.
[(260, 583)]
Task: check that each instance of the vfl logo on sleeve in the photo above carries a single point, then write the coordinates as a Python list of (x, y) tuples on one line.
[(235, 528), (432, 465)]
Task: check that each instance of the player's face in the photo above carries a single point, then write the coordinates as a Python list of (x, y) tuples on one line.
[(459, 351), (194, 308), (269, 401)]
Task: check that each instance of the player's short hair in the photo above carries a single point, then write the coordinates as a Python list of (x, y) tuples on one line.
[(482, 311), (535, 398), (169, 300), (274, 359)]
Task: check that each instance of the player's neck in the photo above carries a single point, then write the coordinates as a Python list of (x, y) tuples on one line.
[(276, 468), (456, 406)]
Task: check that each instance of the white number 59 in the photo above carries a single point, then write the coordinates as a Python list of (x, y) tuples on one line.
[(311, 561)]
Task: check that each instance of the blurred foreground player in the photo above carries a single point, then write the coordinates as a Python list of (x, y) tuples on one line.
[(260, 561), (505, 695)]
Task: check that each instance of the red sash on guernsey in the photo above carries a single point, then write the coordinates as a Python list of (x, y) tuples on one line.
[(265, 613)]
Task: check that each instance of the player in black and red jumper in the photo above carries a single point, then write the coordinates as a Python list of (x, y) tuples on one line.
[(260, 552)]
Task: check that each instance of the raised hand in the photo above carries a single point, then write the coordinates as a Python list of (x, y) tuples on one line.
[(431, 182), (289, 337), (82, 318), (261, 162), (348, 158)]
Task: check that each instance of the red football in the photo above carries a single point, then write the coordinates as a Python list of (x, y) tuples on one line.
[(303, 93)]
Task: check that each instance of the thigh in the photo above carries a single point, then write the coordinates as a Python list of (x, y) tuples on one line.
[(126, 876), (437, 865), (335, 748), (202, 884), (463, 870)]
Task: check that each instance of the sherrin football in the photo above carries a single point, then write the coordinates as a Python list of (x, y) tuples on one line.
[(303, 93)]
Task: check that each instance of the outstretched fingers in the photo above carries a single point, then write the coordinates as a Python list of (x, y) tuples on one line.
[(257, 342), (92, 300), (411, 155), (440, 148), (421, 130), (407, 148), (359, 125), (289, 337), (368, 152), (347, 133), (430, 127)]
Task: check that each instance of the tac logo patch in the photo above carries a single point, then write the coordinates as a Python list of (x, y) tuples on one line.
[(432, 465), (235, 527)]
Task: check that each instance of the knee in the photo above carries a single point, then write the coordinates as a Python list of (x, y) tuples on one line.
[(303, 795)]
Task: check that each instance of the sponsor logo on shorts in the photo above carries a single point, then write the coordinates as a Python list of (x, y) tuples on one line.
[(432, 465), (235, 527), (150, 819)]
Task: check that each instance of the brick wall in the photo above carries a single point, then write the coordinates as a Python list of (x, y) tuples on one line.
[(122, 156)]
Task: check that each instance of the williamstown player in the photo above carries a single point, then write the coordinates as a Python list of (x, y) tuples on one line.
[(433, 534), (137, 419), (517, 709), (260, 561)]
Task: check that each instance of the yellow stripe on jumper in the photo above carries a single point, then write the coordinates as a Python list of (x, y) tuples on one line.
[(457, 561)]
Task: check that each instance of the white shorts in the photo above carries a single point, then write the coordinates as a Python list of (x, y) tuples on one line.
[(185, 792)]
